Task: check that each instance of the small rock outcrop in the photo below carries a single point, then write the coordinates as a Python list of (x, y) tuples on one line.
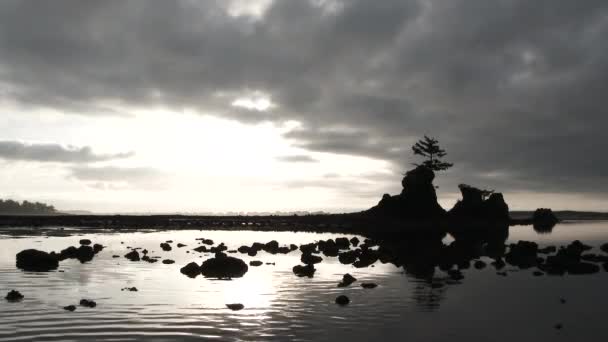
[(14, 296), (304, 271), (235, 307), (544, 220), (37, 261), (191, 270), (347, 279), (88, 303), (418, 199), (342, 300), (224, 267)]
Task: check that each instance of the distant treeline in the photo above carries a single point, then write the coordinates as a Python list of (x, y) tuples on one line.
[(10, 207)]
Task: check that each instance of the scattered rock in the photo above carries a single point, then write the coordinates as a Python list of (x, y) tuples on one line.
[(347, 279), (192, 270), (14, 296), (354, 241), (369, 285), (70, 308), (310, 259), (130, 289), (88, 303), (307, 270), (255, 263), (166, 247), (235, 307), (180, 245), (168, 262), (85, 242), (133, 255), (224, 267), (342, 300), (37, 261)]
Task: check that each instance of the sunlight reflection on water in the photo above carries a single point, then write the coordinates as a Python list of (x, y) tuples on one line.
[(279, 305)]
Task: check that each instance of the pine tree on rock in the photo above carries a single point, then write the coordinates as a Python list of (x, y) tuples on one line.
[(429, 149)]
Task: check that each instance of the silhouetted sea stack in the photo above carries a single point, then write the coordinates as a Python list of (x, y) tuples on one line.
[(544, 220), (417, 200), (474, 206)]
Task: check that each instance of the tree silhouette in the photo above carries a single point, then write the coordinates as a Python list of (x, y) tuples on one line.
[(429, 149)]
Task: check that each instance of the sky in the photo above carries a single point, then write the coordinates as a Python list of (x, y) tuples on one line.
[(249, 106)]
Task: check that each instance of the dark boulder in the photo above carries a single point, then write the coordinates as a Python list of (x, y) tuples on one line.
[(191, 270), (201, 249), (255, 263), (479, 264), (97, 248), (168, 262), (180, 245), (342, 243), (348, 257), (85, 253), (271, 247), (304, 271), (310, 259), (70, 308), (354, 241), (224, 267), (37, 261), (133, 255), (235, 307), (85, 242), (14, 296), (347, 279), (88, 303), (523, 254), (165, 247), (342, 300), (604, 247), (369, 285)]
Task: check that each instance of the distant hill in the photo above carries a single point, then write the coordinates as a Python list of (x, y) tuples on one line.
[(565, 215), (10, 207)]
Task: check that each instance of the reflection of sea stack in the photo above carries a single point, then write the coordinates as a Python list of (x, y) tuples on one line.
[(417, 200)]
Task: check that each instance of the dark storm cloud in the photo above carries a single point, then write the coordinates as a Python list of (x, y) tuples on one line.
[(15, 150), (297, 159), (515, 90)]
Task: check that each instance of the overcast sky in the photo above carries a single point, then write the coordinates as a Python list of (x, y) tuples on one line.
[(242, 105)]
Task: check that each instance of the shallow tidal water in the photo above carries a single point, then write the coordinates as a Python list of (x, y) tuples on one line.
[(281, 306)]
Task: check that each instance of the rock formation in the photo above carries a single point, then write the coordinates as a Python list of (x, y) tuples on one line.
[(474, 206), (417, 200)]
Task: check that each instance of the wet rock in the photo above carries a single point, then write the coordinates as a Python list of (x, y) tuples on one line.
[(367, 258), (224, 267), (369, 285), (88, 303), (168, 262), (14, 296), (347, 279), (97, 248), (201, 249), (304, 271), (218, 249), (544, 220), (348, 257), (207, 242), (479, 264), (85, 253), (293, 247), (180, 245), (354, 241), (85, 242), (342, 243), (191, 270), (144, 252), (165, 247), (523, 254), (342, 300), (133, 255), (255, 263), (70, 308), (148, 259), (244, 249), (115, 256), (235, 307), (130, 289), (308, 248), (37, 261), (271, 247), (310, 259)]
